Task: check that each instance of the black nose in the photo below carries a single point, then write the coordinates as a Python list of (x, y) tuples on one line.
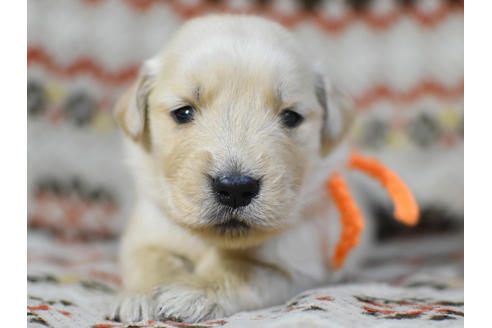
[(235, 190)]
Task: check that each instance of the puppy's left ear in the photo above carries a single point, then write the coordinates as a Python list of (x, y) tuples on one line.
[(131, 109), (338, 114)]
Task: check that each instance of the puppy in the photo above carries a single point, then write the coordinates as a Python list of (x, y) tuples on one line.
[(231, 134)]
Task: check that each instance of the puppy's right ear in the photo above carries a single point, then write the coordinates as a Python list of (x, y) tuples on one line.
[(337, 114), (131, 109)]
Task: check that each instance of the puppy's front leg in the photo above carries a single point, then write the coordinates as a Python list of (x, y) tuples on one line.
[(224, 283), (143, 269)]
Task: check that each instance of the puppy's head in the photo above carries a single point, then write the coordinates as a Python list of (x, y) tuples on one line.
[(229, 123)]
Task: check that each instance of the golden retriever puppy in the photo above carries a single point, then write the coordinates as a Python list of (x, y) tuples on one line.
[(231, 134)]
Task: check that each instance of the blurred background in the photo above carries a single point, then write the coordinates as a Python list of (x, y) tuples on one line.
[(401, 61)]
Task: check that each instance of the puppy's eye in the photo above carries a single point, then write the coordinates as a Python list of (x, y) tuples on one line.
[(183, 115), (290, 118)]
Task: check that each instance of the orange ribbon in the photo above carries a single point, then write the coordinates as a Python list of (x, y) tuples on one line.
[(406, 208)]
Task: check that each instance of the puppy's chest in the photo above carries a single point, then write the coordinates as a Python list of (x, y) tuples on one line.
[(305, 249), (150, 227)]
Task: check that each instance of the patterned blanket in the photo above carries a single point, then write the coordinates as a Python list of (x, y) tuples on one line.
[(409, 283)]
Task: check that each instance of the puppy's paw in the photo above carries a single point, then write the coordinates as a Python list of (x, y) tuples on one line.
[(185, 304), (131, 308)]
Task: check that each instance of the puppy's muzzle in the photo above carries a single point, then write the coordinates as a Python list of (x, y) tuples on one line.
[(235, 190)]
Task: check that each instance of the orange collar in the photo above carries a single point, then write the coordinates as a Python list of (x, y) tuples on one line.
[(406, 208)]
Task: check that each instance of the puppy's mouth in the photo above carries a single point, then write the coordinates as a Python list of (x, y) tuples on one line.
[(232, 225)]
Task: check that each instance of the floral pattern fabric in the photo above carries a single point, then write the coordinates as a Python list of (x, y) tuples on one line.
[(416, 283)]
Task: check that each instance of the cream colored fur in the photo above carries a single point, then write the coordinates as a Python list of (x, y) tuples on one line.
[(239, 72)]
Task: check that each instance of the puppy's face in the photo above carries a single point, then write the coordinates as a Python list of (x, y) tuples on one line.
[(229, 129)]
